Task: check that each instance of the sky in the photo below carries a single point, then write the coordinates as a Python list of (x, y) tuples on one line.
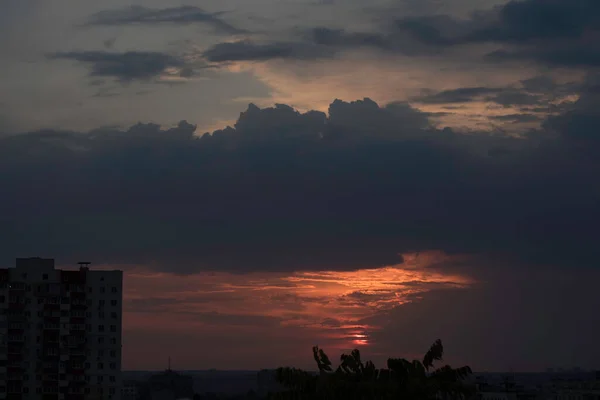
[(276, 174)]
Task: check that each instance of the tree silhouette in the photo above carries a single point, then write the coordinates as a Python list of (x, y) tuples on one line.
[(355, 380)]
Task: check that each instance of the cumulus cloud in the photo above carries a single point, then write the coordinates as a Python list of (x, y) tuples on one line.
[(175, 15), (288, 190)]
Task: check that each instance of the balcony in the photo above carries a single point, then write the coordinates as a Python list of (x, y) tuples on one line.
[(77, 288), (14, 350), (52, 314), (16, 286)]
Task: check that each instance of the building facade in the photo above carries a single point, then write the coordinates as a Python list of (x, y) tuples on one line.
[(60, 332)]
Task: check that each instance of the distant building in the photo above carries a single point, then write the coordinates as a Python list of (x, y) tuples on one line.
[(498, 396), (130, 390), (168, 385), (60, 332)]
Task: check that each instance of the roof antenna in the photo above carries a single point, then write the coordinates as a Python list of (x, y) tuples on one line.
[(169, 364), (84, 265)]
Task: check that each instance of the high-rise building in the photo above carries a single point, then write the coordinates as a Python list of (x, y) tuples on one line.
[(60, 332)]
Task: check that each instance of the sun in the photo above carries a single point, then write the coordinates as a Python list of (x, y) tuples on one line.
[(360, 339)]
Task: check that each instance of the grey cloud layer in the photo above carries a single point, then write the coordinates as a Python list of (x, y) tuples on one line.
[(285, 190), (128, 66), (551, 32), (175, 15)]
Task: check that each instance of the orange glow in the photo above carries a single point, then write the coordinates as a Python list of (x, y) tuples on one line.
[(326, 306), (309, 86)]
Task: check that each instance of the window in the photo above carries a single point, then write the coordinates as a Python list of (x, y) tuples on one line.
[(100, 340), (113, 353), (102, 289), (113, 365), (100, 366), (45, 277), (2, 299), (113, 315), (113, 341), (25, 275), (113, 302), (101, 303), (113, 328), (100, 353), (101, 328), (111, 390), (100, 379), (101, 315), (112, 378), (114, 289)]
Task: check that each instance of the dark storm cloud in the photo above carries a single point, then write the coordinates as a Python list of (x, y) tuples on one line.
[(514, 97), (532, 305), (527, 20), (517, 118), (318, 43), (550, 32), (460, 95), (128, 66), (582, 121), (553, 32), (285, 190), (503, 96), (175, 15)]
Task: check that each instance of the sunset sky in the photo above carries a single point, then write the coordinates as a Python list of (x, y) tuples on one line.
[(277, 174)]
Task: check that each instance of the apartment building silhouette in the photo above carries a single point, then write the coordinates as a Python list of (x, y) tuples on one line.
[(60, 332)]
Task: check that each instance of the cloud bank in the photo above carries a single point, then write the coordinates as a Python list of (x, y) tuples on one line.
[(284, 190)]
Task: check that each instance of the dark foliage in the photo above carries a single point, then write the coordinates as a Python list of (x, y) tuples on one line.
[(353, 379)]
